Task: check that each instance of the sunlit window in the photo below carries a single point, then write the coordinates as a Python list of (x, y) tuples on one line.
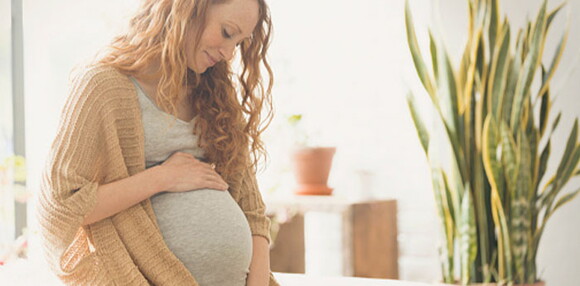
[(6, 149)]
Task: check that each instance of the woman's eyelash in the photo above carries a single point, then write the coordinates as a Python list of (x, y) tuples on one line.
[(225, 34), (228, 36)]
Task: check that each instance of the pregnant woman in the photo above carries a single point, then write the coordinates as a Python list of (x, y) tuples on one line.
[(151, 177)]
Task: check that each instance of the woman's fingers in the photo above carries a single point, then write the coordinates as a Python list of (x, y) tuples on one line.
[(216, 182), (189, 173)]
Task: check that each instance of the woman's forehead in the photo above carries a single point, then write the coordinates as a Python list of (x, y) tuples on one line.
[(242, 14)]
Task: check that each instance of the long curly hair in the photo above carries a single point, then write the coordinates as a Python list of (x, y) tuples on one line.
[(231, 111)]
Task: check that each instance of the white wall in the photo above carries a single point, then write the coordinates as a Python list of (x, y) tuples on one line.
[(345, 65), (5, 81)]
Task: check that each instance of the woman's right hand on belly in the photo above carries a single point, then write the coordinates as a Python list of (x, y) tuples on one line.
[(182, 172)]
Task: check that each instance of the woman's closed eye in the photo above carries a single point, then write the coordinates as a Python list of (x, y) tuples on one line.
[(226, 34)]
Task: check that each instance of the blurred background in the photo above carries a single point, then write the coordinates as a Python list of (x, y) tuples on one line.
[(343, 65)]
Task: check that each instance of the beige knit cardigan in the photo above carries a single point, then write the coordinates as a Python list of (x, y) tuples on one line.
[(100, 140)]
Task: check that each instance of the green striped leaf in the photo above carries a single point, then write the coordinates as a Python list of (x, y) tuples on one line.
[(510, 157), (546, 193), (472, 9), (555, 61), (448, 110), (556, 122), (526, 43), (505, 266), (566, 161), (513, 75), (567, 166), (470, 61), (567, 173), (442, 201), (421, 130), (451, 199), (534, 135), (545, 106), (493, 24), (447, 89), (529, 67), (485, 227), (543, 161), (565, 199), (520, 220), (468, 236), (416, 54), (552, 14), (498, 75), (490, 154), (433, 50), (446, 249), (480, 64)]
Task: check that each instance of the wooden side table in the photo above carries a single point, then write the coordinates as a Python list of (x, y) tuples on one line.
[(369, 235)]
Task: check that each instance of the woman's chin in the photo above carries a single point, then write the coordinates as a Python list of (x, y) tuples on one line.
[(196, 69)]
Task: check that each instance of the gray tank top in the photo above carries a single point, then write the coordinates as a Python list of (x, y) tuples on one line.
[(205, 229)]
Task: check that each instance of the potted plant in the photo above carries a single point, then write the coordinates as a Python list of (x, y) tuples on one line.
[(311, 164), (491, 198)]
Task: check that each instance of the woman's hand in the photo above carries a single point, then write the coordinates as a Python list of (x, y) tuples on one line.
[(182, 172)]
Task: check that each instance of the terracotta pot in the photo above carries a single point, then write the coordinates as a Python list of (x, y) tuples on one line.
[(311, 170), (539, 283)]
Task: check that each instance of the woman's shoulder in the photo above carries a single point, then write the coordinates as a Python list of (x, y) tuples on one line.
[(99, 83), (100, 89), (99, 75)]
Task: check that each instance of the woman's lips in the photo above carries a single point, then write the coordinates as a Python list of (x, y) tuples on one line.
[(212, 61)]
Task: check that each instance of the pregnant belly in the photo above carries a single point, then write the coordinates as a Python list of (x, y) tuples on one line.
[(208, 232)]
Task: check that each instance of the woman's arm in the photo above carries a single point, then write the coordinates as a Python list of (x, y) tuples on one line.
[(260, 266), (250, 200), (122, 194), (181, 172)]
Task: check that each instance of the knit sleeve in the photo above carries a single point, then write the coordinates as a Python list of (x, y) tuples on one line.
[(253, 206), (71, 175)]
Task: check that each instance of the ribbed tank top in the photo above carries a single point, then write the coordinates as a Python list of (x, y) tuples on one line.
[(205, 229)]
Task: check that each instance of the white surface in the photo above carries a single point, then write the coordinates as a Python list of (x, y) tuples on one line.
[(287, 279), (23, 272)]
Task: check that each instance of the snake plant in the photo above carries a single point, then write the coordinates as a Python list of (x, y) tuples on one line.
[(492, 201)]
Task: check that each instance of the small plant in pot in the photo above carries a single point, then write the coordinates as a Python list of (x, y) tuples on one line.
[(492, 201), (311, 164)]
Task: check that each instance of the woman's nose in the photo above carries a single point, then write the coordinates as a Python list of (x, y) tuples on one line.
[(227, 51)]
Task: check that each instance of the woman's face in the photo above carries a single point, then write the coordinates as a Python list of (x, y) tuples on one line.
[(227, 25)]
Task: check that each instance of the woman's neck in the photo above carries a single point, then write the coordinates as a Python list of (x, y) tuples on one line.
[(149, 79)]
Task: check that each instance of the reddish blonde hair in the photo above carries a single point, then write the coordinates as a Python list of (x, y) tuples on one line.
[(228, 110)]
